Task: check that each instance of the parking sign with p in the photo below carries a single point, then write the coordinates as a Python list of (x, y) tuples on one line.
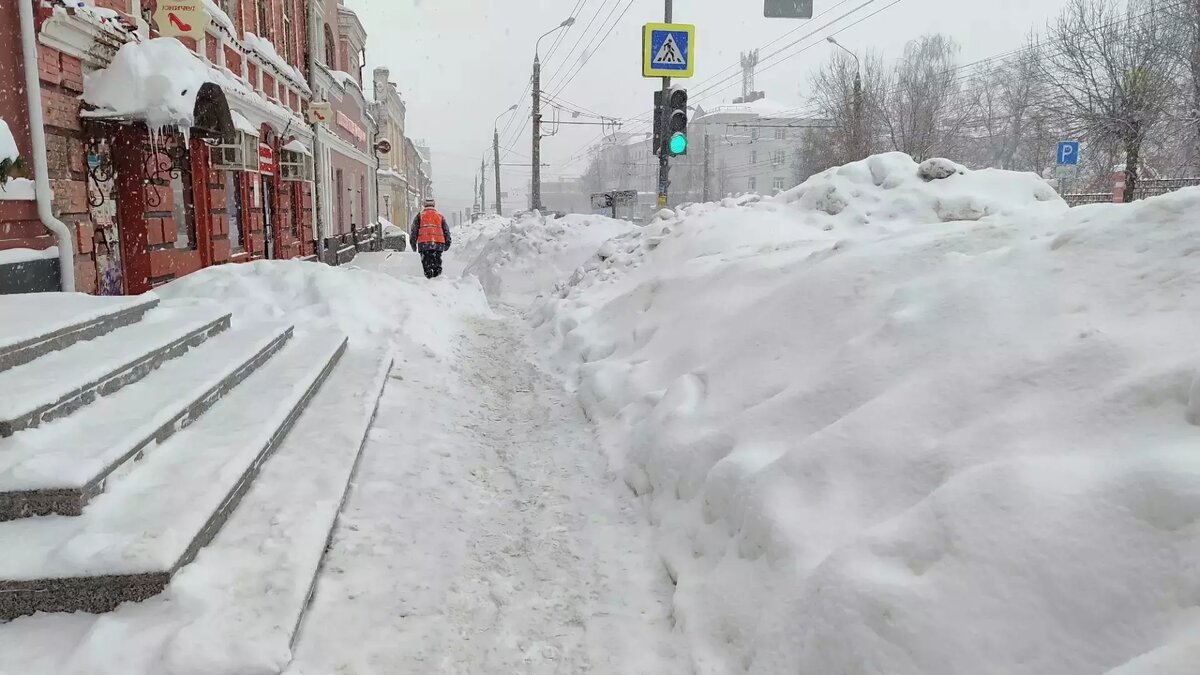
[(1068, 153)]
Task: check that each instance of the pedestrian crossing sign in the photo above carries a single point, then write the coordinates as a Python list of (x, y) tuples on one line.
[(668, 50)]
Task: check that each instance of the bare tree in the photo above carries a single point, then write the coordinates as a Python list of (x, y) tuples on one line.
[(1006, 100), (1111, 71), (849, 97), (921, 110)]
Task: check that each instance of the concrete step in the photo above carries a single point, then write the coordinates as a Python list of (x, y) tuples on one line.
[(60, 466), (35, 324), (61, 382), (132, 539)]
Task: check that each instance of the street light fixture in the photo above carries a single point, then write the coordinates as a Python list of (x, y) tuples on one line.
[(535, 191)]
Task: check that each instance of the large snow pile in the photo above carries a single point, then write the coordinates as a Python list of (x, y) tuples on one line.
[(528, 255), (875, 439), (471, 237), (156, 81), (365, 304)]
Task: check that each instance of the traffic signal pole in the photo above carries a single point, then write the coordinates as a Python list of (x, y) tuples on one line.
[(664, 155)]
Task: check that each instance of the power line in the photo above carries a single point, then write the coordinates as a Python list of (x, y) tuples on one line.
[(594, 49)]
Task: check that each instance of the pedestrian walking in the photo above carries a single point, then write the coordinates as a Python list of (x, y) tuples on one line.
[(432, 237)]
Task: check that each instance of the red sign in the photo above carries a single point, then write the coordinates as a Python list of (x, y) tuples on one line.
[(348, 124), (266, 158)]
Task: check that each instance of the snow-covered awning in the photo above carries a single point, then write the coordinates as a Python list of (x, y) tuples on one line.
[(295, 145), (161, 83), (244, 125)]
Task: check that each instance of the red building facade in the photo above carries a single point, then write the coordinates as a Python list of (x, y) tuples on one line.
[(144, 208)]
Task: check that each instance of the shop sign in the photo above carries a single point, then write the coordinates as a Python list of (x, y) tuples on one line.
[(351, 128), (181, 18), (266, 158)]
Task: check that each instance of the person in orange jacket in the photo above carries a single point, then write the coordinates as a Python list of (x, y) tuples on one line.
[(431, 235)]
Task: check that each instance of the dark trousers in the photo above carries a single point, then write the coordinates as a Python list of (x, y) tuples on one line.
[(431, 262)]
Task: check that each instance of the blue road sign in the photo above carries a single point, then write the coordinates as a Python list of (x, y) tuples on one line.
[(668, 50), (1068, 153)]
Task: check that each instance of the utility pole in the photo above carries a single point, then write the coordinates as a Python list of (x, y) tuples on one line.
[(706, 194), (535, 193), (496, 157), (482, 185), (664, 152), (535, 188)]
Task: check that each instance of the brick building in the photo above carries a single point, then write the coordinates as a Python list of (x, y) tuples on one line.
[(145, 204)]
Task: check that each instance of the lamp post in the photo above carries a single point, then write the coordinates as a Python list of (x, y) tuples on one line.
[(859, 141), (496, 154), (536, 187)]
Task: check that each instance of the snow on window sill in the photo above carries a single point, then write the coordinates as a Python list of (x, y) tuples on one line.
[(18, 190)]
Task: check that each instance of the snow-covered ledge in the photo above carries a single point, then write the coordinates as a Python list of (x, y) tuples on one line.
[(17, 190)]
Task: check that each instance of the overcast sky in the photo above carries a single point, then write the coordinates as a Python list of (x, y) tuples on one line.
[(460, 63)]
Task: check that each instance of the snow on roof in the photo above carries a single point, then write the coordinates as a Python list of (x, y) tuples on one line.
[(219, 16), (242, 124), (156, 81), (266, 49), (760, 108), (8, 144), (295, 145), (343, 78)]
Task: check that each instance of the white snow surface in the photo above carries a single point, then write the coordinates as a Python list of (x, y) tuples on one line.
[(8, 144), (519, 259), (884, 425), (155, 81), (219, 16), (485, 534), (266, 49), (18, 255)]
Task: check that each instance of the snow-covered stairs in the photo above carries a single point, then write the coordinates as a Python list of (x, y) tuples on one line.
[(137, 441)]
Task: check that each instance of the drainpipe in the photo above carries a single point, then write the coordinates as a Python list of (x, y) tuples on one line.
[(41, 166)]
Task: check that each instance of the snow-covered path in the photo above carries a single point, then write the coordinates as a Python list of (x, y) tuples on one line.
[(484, 534)]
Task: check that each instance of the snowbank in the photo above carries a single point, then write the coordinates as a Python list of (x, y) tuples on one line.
[(8, 144), (10, 256), (156, 81), (525, 257), (368, 305), (890, 425)]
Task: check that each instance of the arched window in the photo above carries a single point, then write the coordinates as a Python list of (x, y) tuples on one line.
[(330, 49)]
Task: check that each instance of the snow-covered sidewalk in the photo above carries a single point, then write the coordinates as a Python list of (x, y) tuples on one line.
[(485, 534)]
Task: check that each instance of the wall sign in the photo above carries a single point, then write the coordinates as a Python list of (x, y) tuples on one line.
[(266, 158), (353, 129)]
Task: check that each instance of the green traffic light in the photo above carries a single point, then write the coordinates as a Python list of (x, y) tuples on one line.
[(679, 143)]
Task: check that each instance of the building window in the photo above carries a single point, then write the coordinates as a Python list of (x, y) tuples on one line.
[(754, 134), (781, 134), (779, 183), (778, 158), (752, 184), (289, 41), (754, 157), (295, 166), (330, 49), (233, 211), (184, 212), (264, 20)]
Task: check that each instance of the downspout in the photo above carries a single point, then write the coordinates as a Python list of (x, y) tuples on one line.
[(41, 165)]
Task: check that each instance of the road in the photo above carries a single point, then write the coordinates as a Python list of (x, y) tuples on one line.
[(484, 533)]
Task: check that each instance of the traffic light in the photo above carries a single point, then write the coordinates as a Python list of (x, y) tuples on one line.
[(658, 122), (677, 121)]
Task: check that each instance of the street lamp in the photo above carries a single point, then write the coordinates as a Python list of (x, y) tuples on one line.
[(496, 153), (536, 184), (859, 141)]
